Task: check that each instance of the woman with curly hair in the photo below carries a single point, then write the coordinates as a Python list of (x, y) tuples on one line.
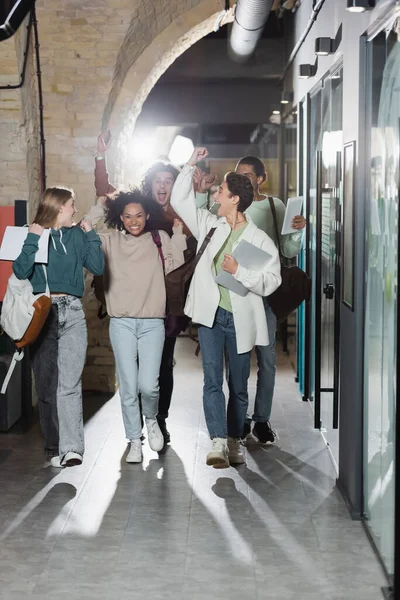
[(135, 298), (157, 186)]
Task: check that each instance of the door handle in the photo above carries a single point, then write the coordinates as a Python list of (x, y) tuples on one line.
[(329, 291)]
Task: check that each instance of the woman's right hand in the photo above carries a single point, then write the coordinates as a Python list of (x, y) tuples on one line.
[(198, 154), (35, 228), (103, 142), (177, 227)]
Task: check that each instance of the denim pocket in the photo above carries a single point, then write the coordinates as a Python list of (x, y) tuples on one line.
[(76, 304)]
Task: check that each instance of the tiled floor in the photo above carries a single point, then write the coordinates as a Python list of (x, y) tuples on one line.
[(174, 528)]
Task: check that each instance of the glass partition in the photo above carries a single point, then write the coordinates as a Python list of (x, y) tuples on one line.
[(381, 291)]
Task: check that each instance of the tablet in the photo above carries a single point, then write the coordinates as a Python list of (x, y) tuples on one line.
[(293, 209)]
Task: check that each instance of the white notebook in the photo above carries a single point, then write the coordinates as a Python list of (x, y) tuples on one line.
[(13, 241), (293, 209), (247, 256)]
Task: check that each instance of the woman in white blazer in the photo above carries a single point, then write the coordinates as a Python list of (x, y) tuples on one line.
[(228, 323)]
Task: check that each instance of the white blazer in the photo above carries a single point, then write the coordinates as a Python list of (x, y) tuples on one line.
[(204, 296)]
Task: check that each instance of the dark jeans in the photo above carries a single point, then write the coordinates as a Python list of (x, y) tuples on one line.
[(166, 380), (44, 356), (215, 342)]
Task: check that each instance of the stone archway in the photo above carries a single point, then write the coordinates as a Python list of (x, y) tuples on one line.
[(133, 81)]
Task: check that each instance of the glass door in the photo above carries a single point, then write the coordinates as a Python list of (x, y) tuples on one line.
[(381, 278), (332, 141), (323, 259)]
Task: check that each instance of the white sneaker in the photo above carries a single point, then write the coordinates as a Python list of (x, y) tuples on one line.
[(156, 438), (71, 459), (55, 462), (235, 452), (135, 452), (218, 457)]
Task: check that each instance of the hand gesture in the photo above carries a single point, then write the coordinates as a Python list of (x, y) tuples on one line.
[(230, 265), (103, 142), (206, 183), (35, 228), (86, 225), (298, 222), (198, 155), (177, 227), (197, 175)]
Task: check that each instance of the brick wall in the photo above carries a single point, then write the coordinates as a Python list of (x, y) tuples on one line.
[(99, 60)]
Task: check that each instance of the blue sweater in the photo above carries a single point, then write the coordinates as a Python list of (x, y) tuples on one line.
[(70, 249)]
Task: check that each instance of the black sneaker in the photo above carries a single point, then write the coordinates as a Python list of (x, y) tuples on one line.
[(163, 426), (246, 431), (263, 433)]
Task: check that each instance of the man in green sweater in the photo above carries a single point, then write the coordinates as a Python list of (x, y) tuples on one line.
[(261, 214)]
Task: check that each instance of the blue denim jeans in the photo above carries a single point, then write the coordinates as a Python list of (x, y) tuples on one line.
[(215, 342), (72, 345), (138, 346), (266, 361), (44, 356)]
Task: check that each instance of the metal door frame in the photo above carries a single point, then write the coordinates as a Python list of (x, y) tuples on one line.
[(318, 279)]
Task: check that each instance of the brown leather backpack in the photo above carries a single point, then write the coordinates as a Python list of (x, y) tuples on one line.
[(177, 282)]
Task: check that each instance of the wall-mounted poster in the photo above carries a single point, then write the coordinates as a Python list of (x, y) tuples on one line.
[(349, 155)]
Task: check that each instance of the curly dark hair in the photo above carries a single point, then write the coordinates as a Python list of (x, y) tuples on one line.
[(240, 185), (151, 173), (116, 203)]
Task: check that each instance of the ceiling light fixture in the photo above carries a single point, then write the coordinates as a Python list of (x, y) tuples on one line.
[(359, 6), (286, 97), (181, 150), (276, 112)]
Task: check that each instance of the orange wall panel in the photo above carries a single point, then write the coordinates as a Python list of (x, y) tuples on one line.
[(6, 218)]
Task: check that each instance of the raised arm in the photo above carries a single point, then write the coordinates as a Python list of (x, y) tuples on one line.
[(101, 180), (183, 198), (24, 264), (92, 256), (96, 213), (178, 244)]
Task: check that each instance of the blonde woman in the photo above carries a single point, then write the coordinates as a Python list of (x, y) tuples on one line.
[(58, 356)]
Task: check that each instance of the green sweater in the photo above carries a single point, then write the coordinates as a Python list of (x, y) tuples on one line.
[(70, 249), (261, 215)]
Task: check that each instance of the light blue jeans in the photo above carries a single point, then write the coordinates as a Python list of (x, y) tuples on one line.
[(72, 345), (138, 346), (266, 361)]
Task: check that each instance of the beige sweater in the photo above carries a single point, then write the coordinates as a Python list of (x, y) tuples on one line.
[(133, 275)]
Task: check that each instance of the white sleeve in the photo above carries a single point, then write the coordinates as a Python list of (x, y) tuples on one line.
[(183, 201), (264, 281)]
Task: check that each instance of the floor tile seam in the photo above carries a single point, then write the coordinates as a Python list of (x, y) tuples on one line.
[(195, 470)]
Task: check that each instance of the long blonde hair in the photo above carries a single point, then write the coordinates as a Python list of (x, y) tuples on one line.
[(50, 203)]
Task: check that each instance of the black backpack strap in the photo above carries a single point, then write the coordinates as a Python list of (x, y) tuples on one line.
[(278, 239)]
